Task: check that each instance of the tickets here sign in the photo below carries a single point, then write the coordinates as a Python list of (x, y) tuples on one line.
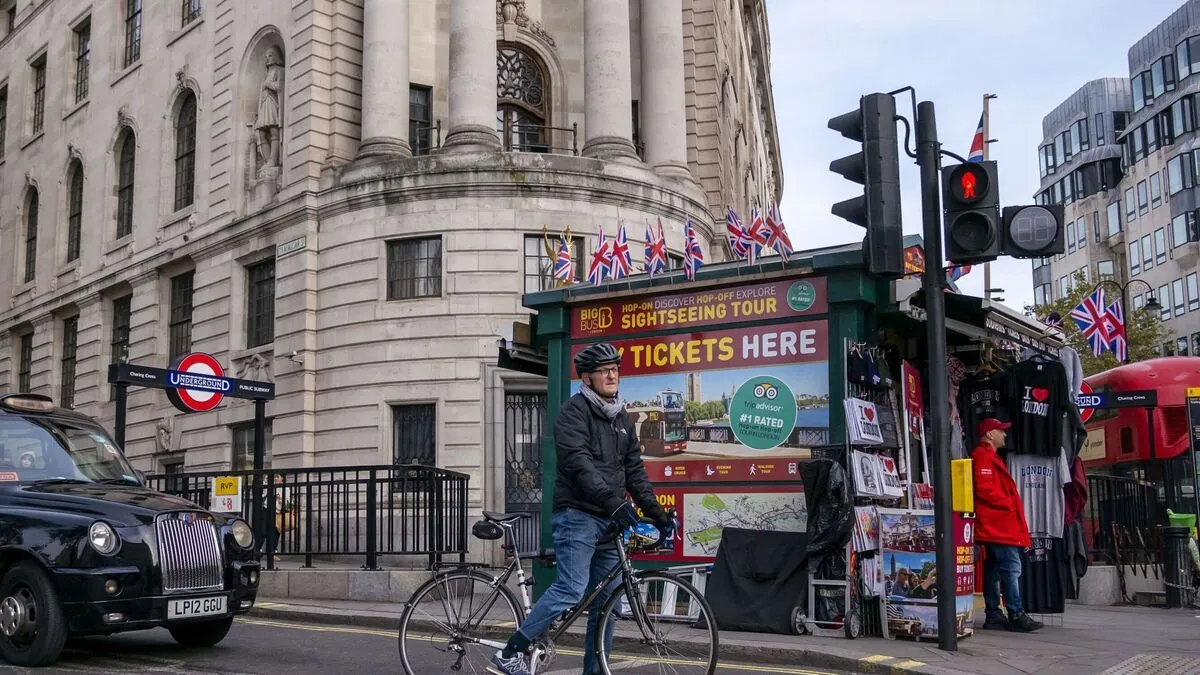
[(226, 494)]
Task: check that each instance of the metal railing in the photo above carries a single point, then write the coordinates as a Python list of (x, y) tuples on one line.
[(424, 137), (519, 137), (1122, 515), (369, 511)]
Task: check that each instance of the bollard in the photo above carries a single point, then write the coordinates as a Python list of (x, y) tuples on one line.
[(1175, 564)]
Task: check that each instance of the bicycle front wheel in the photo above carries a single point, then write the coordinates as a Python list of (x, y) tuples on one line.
[(455, 622), (667, 627)]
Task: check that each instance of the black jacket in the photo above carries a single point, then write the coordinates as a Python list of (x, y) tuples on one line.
[(599, 461)]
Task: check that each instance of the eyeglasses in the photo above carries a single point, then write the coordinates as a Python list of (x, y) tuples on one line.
[(604, 372)]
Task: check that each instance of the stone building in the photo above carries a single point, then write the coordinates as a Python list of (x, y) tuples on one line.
[(348, 199)]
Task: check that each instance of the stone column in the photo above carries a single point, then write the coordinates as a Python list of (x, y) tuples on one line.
[(608, 100), (385, 79), (472, 123), (663, 105)]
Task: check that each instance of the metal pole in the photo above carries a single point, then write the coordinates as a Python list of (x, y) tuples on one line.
[(987, 266), (1126, 310), (260, 442), (119, 423), (928, 157)]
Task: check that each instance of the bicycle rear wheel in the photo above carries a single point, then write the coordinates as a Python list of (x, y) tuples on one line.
[(680, 631), (455, 622)]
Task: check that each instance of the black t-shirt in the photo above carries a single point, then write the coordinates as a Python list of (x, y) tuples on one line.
[(981, 397), (1039, 396), (1044, 577)]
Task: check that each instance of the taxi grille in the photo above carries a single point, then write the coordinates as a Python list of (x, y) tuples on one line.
[(188, 553)]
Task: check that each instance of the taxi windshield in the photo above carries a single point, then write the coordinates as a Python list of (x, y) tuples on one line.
[(40, 449)]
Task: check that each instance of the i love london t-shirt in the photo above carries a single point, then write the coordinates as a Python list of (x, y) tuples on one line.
[(1038, 390)]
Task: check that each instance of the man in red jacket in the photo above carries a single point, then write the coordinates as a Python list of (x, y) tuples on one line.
[(1001, 528)]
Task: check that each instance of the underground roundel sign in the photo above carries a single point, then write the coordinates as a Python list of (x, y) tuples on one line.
[(196, 383)]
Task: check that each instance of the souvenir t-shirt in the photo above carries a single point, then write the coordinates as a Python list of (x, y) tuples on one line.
[(981, 396), (1040, 482), (1045, 576), (1038, 396)]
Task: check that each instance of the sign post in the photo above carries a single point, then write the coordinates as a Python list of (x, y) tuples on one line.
[(1193, 413)]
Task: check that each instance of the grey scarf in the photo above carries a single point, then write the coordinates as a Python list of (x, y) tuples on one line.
[(611, 407)]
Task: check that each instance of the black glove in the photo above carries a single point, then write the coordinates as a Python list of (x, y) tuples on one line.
[(626, 515), (666, 521)]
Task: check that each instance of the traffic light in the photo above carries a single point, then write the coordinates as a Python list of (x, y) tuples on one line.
[(971, 199), (877, 168), (1033, 231)]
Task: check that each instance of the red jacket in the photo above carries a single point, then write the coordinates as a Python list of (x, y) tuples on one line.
[(999, 514)]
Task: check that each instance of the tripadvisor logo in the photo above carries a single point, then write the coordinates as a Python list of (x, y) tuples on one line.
[(801, 296)]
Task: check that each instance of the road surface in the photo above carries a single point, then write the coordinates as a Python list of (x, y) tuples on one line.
[(263, 646)]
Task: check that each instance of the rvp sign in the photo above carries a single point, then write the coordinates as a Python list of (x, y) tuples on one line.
[(226, 494)]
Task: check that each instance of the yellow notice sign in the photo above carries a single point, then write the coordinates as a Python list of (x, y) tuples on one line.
[(227, 486), (1193, 392)]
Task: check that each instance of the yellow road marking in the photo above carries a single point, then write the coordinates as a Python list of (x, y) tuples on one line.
[(907, 665), (876, 658), (571, 652)]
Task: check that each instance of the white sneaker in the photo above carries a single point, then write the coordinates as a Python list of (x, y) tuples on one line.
[(514, 665)]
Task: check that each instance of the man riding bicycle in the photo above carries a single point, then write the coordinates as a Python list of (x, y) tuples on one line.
[(599, 460)]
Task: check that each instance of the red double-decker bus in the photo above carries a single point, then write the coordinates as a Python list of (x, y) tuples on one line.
[(1147, 444)]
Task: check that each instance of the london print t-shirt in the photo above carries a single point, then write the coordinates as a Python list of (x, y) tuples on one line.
[(1040, 482), (1038, 390)]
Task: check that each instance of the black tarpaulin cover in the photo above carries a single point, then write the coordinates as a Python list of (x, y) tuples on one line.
[(757, 578)]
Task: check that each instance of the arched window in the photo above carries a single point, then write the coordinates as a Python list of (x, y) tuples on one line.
[(521, 115), (185, 153), (31, 232), (125, 162), (75, 211)]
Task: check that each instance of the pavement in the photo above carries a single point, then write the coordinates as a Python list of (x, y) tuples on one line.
[(1084, 640)]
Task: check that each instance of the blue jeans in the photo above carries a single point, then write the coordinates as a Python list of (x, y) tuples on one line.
[(1002, 571), (580, 568)]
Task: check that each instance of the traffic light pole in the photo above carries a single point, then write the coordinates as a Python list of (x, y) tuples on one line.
[(934, 283)]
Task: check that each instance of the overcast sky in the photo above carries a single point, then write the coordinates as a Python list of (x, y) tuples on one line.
[(1033, 54)]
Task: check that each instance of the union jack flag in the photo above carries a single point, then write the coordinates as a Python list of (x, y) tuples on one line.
[(564, 271), (956, 272), (739, 238), (656, 249), (776, 233), (693, 255), (1093, 321), (621, 264), (976, 153), (758, 235), (1115, 317), (601, 260)]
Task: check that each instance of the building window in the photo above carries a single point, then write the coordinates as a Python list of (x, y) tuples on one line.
[(420, 119), (1193, 292), (521, 100), (1042, 295), (83, 59), (121, 320), (1096, 225), (1143, 198), (1196, 343), (1177, 294), (75, 211), (1164, 298), (1071, 237), (185, 153), (39, 95), (191, 11), (1138, 302), (414, 268), (70, 342), (1099, 128), (31, 233), (1130, 206), (1147, 254), (3, 118), (1106, 269), (125, 166), (243, 446), (1081, 231), (1180, 174), (1114, 218), (1160, 246), (179, 324), (260, 305), (414, 434), (25, 364), (1180, 226), (133, 31), (1155, 190), (1135, 258), (539, 263)]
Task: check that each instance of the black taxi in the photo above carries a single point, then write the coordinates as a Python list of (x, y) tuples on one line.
[(87, 549)]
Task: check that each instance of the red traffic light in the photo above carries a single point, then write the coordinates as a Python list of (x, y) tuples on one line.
[(969, 183)]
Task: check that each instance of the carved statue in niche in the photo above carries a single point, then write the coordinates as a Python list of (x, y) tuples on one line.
[(269, 119), (254, 367), (164, 432)]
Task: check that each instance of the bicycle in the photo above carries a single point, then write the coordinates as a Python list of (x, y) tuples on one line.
[(627, 612)]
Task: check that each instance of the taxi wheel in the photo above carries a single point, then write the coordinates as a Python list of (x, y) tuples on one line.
[(203, 634), (33, 630)]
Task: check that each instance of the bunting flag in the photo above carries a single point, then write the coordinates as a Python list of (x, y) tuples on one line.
[(656, 250), (776, 233), (1090, 316), (758, 235), (739, 238), (693, 255), (564, 270), (976, 153), (620, 264), (601, 260)]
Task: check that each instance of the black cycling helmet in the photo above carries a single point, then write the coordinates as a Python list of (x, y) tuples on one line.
[(594, 356)]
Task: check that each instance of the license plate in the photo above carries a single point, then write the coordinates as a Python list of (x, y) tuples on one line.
[(193, 607)]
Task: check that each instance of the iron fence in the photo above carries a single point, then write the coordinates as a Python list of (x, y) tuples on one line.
[(369, 511), (1121, 520)]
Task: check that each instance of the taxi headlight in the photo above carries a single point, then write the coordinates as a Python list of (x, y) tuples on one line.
[(103, 538), (241, 533)]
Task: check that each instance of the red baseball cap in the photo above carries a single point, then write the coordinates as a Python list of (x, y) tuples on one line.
[(989, 424)]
